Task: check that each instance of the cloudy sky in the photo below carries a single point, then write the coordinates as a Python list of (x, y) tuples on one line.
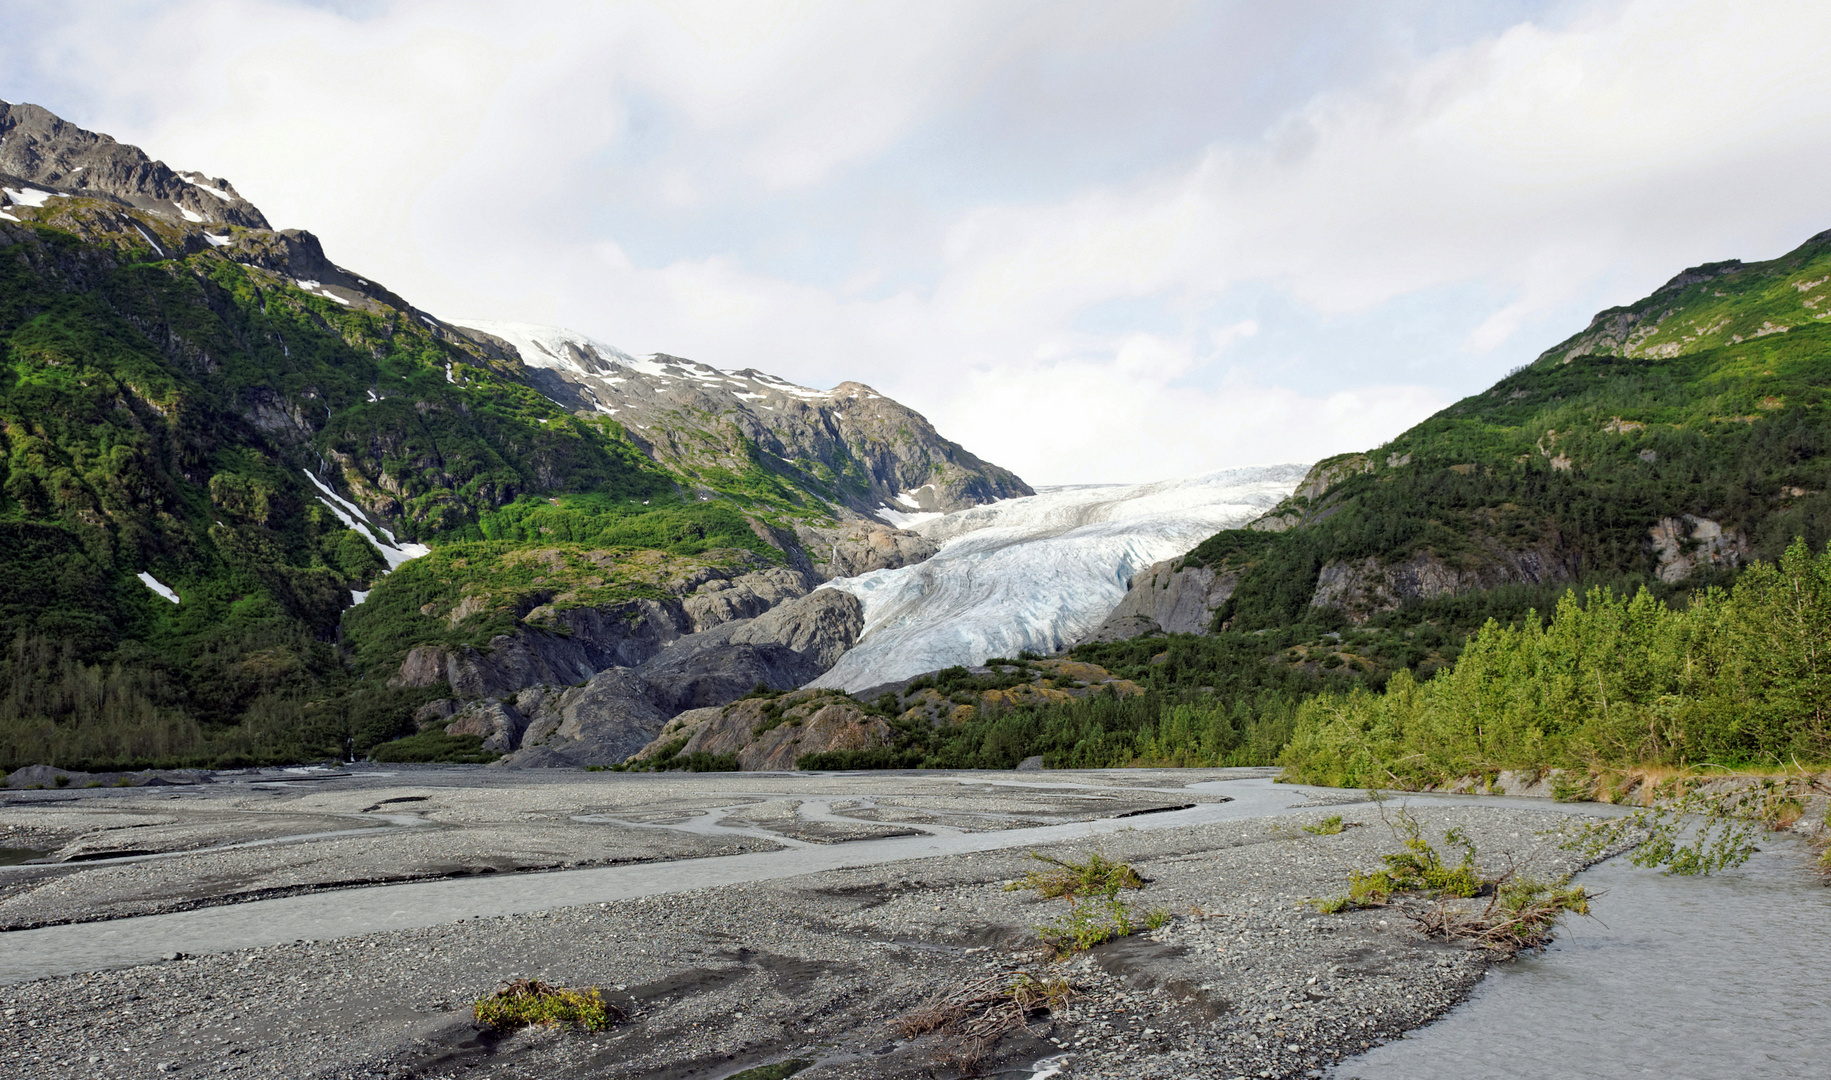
[(1092, 241)]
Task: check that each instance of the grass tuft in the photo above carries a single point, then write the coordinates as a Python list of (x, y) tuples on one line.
[(1098, 876), (526, 1002), (1329, 826)]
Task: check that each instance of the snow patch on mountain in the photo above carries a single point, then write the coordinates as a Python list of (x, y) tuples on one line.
[(1036, 573), (30, 196), (548, 346), (392, 551), (158, 586)]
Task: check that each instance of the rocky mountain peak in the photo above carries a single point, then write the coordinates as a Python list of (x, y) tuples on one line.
[(43, 156), (865, 452)]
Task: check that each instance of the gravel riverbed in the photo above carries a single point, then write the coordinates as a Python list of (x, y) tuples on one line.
[(1243, 979)]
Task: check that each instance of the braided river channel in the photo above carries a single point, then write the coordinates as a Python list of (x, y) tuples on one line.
[(1679, 978), (1726, 976)]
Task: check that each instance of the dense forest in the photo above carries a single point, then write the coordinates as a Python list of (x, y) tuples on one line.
[(1736, 678)]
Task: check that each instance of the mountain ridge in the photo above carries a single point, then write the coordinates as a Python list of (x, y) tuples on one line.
[(1686, 426), (196, 403)]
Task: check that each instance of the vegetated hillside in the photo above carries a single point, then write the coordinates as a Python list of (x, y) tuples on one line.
[(195, 404), (1666, 448), (1673, 439), (1611, 687)]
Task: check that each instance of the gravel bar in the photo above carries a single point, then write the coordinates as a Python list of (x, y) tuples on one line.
[(1245, 979)]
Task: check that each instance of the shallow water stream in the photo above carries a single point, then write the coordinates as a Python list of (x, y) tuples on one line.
[(1679, 978), (58, 950)]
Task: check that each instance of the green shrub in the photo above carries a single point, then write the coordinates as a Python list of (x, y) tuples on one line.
[(1329, 826), (435, 746), (528, 1002)]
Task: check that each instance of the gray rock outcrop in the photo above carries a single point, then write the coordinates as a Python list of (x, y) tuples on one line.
[(38, 149), (609, 718), (618, 711), (1365, 588), (1685, 544), (1169, 597), (858, 547), (577, 643)]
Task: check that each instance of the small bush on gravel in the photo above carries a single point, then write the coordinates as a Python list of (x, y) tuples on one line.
[(1098, 876), (1088, 923), (1328, 826), (1418, 867), (1520, 914), (974, 1017), (530, 1001), (1095, 912)]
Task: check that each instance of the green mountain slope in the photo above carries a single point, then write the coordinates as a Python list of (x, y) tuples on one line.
[(1668, 446), (1669, 442), (193, 402), (159, 416)]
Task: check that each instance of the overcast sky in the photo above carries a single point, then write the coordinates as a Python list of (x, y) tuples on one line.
[(1091, 241)]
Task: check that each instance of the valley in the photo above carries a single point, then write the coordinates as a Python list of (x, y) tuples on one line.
[(358, 661)]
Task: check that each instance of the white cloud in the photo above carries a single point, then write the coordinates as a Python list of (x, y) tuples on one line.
[(637, 171), (1092, 422)]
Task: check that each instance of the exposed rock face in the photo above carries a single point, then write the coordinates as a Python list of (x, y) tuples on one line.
[(38, 149), (592, 639), (619, 710), (857, 547), (1313, 501), (862, 450), (1685, 544), (1167, 598), (604, 721), (785, 647), (1682, 545), (1366, 588), (717, 602), (602, 637), (803, 722)]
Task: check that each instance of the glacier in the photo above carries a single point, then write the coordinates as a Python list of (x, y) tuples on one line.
[(1038, 572)]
